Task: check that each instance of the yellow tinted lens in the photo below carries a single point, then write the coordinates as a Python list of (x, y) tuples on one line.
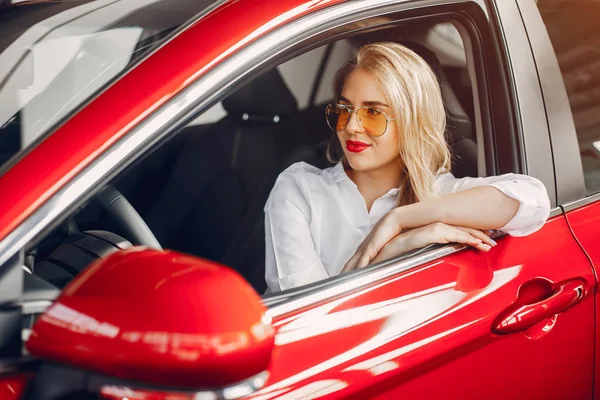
[(344, 116), (372, 120), (337, 117)]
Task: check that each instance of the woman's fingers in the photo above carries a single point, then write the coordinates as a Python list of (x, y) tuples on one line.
[(364, 260), (473, 237), (384, 231), (350, 264), (460, 236), (480, 235), (360, 259), (353, 262)]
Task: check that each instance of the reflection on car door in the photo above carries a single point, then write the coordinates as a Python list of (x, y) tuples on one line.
[(448, 328)]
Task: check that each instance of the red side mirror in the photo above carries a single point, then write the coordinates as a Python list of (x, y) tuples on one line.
[(160, 318)]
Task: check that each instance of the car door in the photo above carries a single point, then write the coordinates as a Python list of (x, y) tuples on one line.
[(517, 322), (456, 324), (566, 44)]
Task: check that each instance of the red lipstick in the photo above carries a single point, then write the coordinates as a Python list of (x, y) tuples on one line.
[(356, 147)]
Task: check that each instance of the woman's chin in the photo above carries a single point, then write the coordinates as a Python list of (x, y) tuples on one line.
[(369, 162), (358, 162)]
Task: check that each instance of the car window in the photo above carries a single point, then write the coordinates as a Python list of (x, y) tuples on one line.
[(300, 74), (203, 192), (572, 27), (55, 56)]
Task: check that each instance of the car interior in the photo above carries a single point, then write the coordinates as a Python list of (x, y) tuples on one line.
[(203, 191)]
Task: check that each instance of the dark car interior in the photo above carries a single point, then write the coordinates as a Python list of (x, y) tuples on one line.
[(204, 190)]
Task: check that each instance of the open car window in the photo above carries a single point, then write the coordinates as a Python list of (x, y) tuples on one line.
[(203, 192)]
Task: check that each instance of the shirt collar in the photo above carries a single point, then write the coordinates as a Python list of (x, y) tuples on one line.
[(339, 174), (393, 192)]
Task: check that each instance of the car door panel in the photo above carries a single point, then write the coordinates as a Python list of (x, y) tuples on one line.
[(585, 222), (428, 330)]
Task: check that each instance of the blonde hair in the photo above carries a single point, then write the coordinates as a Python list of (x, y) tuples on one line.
[(414, 94)]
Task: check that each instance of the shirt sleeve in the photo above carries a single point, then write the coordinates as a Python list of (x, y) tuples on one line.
[(534, 207), (290, 255)]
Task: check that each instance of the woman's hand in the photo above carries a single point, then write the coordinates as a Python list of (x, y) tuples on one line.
[(385, 230), (417, 238)]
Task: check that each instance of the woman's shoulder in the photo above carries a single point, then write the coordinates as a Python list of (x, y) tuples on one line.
[(303, 173), (298, 180)]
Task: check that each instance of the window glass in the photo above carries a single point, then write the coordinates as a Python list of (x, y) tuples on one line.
[(56, 55), (573, 30)]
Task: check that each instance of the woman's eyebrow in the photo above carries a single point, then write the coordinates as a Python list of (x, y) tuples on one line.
[(375, 103), (365, 103)]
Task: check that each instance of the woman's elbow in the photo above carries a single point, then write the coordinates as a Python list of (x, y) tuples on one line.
[(535, 211), (543, 200)]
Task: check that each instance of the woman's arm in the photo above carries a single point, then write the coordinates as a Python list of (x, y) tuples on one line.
[(527, 193), (483, 207), (438, 232), (516, 204), (290, 255)]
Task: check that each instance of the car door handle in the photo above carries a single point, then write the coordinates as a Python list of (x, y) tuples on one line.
[(519, 318)]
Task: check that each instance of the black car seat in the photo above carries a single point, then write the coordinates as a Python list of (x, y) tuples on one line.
[(459, 128), (212, 205)]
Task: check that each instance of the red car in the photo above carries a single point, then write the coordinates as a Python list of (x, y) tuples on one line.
[(130, 126)]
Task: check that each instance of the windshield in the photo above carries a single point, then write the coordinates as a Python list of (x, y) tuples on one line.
[(54, 55)]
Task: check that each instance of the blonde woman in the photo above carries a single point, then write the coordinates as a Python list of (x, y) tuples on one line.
[(391, 190)]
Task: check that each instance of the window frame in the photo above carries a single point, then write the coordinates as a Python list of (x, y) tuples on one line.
[(499, 159), (565, 146), (286, 42)]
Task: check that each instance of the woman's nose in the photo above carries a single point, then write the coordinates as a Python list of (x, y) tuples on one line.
[(353, 125)]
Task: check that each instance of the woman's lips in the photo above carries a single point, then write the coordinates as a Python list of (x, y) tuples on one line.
[(356, 147)]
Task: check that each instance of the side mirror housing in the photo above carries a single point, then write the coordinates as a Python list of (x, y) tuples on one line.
[(158, 317)]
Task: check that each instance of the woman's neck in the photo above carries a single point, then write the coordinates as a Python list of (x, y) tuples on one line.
[(373, 184)]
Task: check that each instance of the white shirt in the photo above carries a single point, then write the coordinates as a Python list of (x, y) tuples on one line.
[(316, 219)]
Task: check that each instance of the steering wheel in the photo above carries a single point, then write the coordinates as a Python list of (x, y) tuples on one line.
[(121, 210)]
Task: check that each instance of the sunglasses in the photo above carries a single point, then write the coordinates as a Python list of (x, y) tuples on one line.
[(373, 121)]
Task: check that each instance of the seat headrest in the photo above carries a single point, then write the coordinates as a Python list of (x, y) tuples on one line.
[(426, 54), (264, 97), (454, 110)]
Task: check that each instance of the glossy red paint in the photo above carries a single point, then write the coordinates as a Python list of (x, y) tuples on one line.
[(76, 143), (13, 386), (522, 317), (585, 222), (122, 393), (158, 317), (427, 333)]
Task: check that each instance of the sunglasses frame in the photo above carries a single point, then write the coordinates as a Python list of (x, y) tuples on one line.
[(352, 110)]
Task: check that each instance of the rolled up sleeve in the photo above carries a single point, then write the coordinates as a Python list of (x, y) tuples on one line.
[(534, 204), (290, 255)]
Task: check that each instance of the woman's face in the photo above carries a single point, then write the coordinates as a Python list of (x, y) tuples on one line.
[(365, 152)]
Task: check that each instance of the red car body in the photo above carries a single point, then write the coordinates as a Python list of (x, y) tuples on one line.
[(517, 322)]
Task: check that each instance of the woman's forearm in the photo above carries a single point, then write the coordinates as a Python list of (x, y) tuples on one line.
[(483, 207)]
